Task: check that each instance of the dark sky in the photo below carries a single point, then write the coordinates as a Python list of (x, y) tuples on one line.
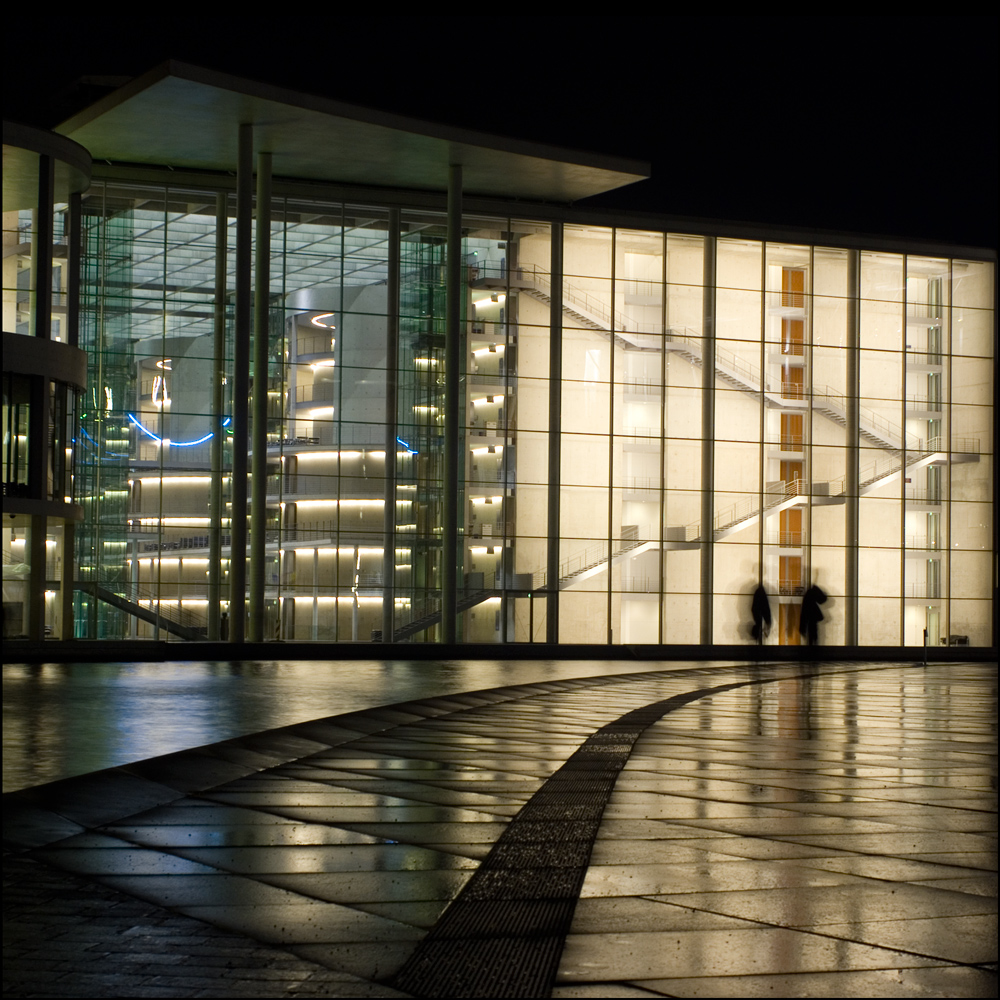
[(881, 125)]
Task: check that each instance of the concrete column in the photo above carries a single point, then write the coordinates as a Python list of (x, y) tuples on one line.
[(391, 416), (853, 450), (708, 444), (452, 368), (611, 533), (555, 435), (215, 504), (261, 337), (241, 387), (662, 554)]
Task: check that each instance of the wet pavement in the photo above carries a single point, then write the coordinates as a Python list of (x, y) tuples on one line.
[(705, 830), (61, 719)]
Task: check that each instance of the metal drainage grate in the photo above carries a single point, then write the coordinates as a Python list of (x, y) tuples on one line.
[(503, 935)]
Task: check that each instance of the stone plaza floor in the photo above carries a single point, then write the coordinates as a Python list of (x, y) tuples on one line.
[(698, 831)]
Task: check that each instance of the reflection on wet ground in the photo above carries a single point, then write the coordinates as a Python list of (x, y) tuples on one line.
[(66, 719), (777, 832)]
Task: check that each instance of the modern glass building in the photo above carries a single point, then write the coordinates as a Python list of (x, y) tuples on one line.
[(352, 377)]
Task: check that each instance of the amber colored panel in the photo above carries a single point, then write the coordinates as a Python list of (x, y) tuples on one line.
[(793, 286), (793, 382), (790, 526), (788, 625), (793, 337), (791, 431), (790, 471), (789, 575)]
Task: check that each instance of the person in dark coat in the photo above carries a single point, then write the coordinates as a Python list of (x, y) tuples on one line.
[(811, 615), (761, 611)]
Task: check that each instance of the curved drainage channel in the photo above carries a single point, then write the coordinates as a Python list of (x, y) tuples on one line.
[(503, 934)]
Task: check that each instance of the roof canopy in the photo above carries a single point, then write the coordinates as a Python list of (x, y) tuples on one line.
[(188, 117)]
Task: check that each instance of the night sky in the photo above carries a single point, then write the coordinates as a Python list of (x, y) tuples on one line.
[(883, 125)]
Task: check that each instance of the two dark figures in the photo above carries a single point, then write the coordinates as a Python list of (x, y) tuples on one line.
[(810, 614)]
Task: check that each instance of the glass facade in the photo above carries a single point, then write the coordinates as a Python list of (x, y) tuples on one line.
[(43, 377), (726, 412)]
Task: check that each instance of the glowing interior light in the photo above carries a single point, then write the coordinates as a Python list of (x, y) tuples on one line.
[(166, 441), (318, 321), (176, 479), (488, 400), (165, 364), (492, 349)]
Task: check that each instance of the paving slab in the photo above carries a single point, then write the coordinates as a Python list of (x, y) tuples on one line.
[(733, 832)]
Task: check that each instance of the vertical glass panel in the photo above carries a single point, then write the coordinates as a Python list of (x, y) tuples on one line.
[(739, 379), (16, 433), (637, 459), (492, 418), (591, 356), (421, 401), (519, 269), (17, 279), (113, 317), (16, 534), (926, 375), (682, 446), (60, 272), (20, 240), (738, 264)]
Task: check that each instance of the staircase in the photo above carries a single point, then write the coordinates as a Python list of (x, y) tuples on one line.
[(174, 620), (428, 613), (906, 452), (589, 312)]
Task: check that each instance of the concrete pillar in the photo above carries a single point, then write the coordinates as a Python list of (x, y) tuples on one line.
[(452, 368), (853, 450), (215, 504), (391, 416), (262, 302), (241, 387), (555, 435), (708, 444)]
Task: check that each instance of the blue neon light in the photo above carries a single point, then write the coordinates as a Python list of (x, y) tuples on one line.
[(174, 444), (113, 454)]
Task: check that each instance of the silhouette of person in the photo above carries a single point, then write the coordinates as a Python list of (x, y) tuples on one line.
[(811, 615), (761, 611)]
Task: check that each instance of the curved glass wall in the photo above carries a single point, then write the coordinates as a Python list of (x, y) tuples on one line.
[(43, 375)]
